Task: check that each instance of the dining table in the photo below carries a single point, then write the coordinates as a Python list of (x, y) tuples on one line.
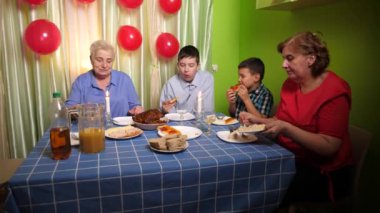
[(210, 175)]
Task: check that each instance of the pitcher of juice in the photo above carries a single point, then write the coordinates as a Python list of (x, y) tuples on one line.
[(91, 128)]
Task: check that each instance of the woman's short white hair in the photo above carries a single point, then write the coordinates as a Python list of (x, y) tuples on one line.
[(101, 45)]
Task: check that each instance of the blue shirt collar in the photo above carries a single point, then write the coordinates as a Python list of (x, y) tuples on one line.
[(95, 85)]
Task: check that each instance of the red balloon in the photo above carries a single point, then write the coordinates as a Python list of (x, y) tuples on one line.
[(42, 36), (130, 3), (167, 45), (35, 2), (86, 1), (170, 6), (129, 37)]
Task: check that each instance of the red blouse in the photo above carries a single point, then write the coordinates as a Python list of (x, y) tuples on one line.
[(324, 110)]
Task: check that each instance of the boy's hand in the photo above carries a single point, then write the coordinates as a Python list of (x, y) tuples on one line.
[(168, 104), (231, 96), (243, 93)]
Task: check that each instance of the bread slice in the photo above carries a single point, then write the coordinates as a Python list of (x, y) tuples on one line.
[(229, 120), (170, 142), (175, 144), (158, 143)]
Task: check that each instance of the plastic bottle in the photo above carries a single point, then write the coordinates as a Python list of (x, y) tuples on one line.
[(59, 129)]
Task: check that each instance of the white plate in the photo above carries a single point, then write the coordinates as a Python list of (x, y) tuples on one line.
[(169, 151), (123, 121), (108, 131), (176, 117), (191, 132), (241, 139), (74, 138), (222, 121)]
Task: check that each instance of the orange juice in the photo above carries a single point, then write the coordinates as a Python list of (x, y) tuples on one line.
[(91, 140)]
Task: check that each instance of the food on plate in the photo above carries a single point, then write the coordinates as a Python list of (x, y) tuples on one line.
[(123, 132), (158, 143), (229, 120), (252, 128), (168, 130), (235, 88), (152, 116), (169, 143), (235, 135)]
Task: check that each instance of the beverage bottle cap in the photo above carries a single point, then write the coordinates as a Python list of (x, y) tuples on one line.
[(56, 94)]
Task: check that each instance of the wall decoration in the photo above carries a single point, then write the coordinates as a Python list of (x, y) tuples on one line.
[(35, 2), (42, 36), (86, 1), (131, 4), (167, 45), (129, 37), (170, 6)]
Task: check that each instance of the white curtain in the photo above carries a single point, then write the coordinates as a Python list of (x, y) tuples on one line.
[(27, 79)]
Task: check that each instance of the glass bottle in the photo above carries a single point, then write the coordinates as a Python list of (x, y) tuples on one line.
[(59, 129)]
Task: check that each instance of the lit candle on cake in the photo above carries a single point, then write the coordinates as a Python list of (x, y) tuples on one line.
[(108, 108), (199, 102)]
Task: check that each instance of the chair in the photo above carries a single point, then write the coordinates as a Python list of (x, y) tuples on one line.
[(360, 139)]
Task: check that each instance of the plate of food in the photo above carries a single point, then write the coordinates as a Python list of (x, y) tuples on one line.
[(225, 121), (190, 132), (125, 132), (254, 128), (123, 121), (235, 137), (170, 144), (150, 119), (177, 117)]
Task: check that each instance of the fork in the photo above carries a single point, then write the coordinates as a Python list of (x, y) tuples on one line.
[(232, 128)]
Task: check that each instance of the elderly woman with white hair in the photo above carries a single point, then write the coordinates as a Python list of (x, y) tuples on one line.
[(91, 87)]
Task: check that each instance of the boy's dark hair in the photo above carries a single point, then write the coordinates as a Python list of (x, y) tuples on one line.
[(189, 51), (255, 65)]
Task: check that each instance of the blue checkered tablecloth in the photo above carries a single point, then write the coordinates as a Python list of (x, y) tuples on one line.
[(210, 176)]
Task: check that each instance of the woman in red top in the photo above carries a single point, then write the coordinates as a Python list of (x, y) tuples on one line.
[(312, 121)]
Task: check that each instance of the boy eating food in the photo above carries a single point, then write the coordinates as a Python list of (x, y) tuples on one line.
[(251, 95)]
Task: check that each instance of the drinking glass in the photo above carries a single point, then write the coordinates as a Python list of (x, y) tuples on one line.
[(209, 118), (181, 110)]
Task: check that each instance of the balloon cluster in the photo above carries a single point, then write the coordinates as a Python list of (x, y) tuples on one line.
[(167, 44), (44, 37)]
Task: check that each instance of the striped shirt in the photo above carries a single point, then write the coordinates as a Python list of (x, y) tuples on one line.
[(261, 98)]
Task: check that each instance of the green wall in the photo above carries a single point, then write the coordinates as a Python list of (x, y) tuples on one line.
[(351, 31), (225, 48)]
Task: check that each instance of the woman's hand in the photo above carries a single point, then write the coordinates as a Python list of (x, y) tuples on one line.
[(273, 127), (136, 110), (247, 118)]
